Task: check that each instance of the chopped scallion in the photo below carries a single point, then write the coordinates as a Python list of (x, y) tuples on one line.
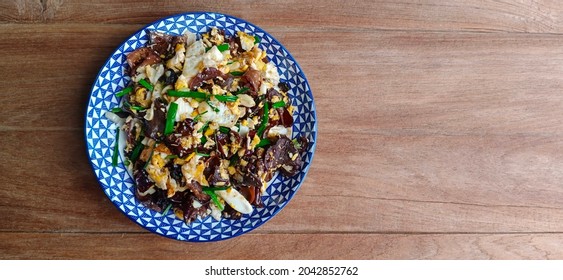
[(224, 129), (256, 39), (137, 151), (279, 104), (134, 107), (226, 98), (116, 110), (242, 90), (234, 159), (127, 162), (150, 157), (192, 94), (223, 47), (237, 73), (167, 209), (171, 156), (198, 117), (264, 119), (212, 189), (203, 140), (146, 84), (296, 144), (202, 154), (263, 142), (124, 91), (204, 127), (212, 107), (115, 149), (215, 200), (170, 118)]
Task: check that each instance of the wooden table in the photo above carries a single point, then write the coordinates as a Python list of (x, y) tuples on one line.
[(440, 130)]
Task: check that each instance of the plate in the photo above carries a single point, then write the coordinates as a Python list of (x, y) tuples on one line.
[(116, 182)]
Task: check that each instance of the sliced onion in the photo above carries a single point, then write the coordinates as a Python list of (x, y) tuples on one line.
[(236, 200), (114, 118)]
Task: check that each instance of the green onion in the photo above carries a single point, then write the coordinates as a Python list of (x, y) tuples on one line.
[(204, 127), (137, 151), (201, 154), (212, 107), (146, 84), (170, 118), (263, 143), (167, 209), (138, 108), (171, 156), (256, 39), (212, 189), (234, 159), (192, 94), (237, 73), (127, 162), (264, 120), (224, 129), (198, 117), (203, 140), (242, 90), (215, 200), (296, 144), (207, 49), (238, 127), (226, 98), (279, 104), (150, 157), (230, 62), (116, 110), (124, 91), (115, 149), (223, 47)]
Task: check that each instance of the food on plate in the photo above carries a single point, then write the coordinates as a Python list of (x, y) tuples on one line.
[(205, 124)]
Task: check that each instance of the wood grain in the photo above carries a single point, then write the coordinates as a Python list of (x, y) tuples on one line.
[(536, 16), (439, 130), (283, 246)]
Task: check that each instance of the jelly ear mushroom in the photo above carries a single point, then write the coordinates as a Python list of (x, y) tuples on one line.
[(141, 57), (155, 127)]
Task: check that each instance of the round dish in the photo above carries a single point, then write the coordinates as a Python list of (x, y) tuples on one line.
[(116, 181)]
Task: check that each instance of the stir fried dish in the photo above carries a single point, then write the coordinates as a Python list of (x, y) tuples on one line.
[(206, 124)]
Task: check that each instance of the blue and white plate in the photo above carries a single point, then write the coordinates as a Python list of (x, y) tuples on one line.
[(116, 181)]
